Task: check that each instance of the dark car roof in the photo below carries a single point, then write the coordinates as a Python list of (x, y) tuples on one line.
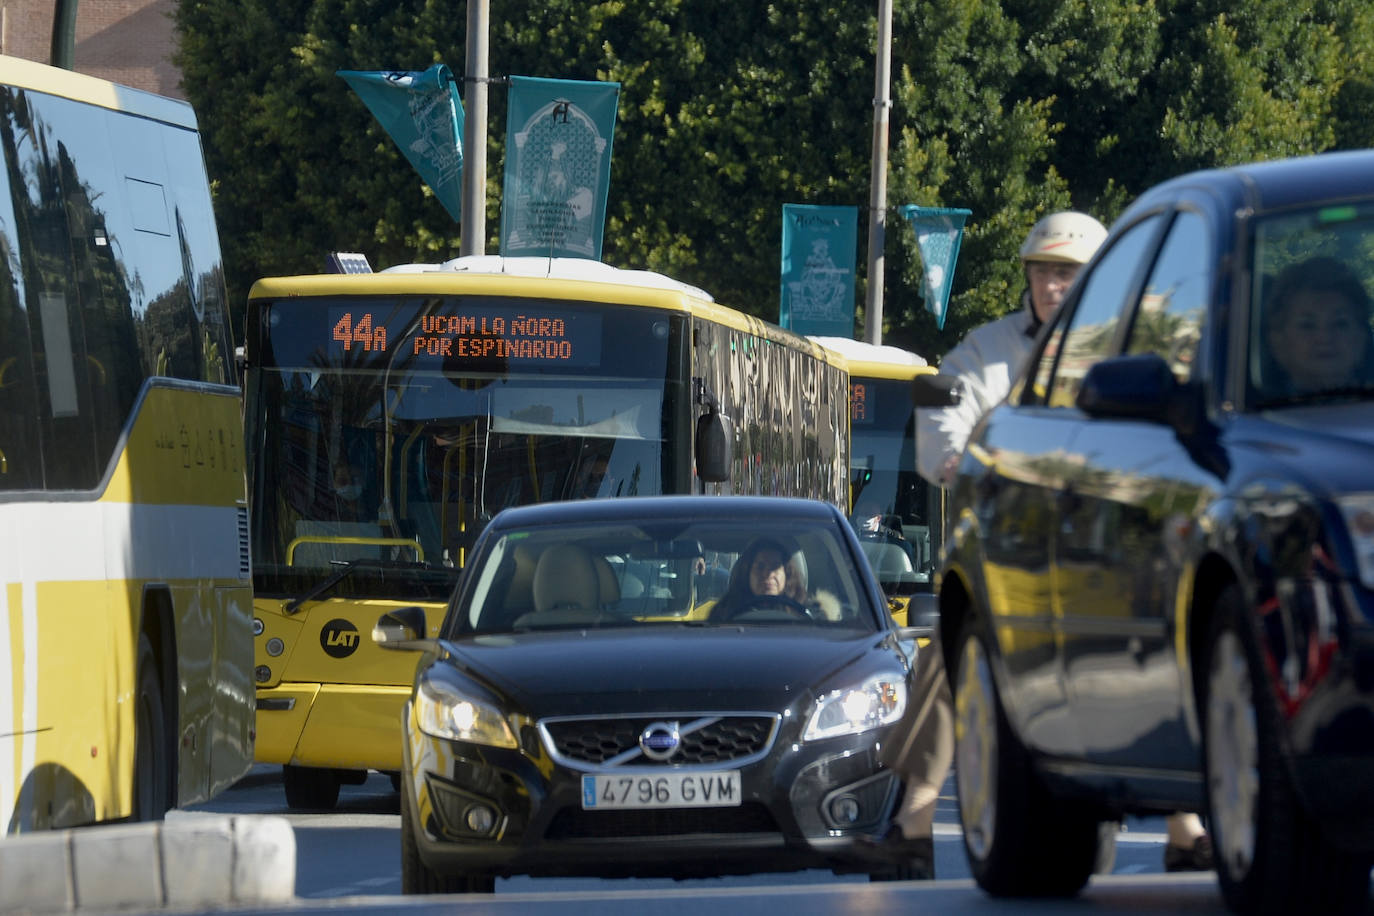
[(1276, 184), (666, 507)]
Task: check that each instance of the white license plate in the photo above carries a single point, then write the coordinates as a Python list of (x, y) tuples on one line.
[(709, 789)]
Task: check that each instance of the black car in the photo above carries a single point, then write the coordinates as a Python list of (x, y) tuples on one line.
[(673, 686), (1156, 593)]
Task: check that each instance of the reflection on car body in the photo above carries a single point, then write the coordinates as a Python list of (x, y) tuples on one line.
[(1157, 593), (599, 702)]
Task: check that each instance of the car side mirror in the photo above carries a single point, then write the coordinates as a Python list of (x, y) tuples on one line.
[(934, 390), (1137, 387), (403, 628)]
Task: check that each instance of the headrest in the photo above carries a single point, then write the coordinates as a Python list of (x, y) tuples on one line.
[(566, 577)]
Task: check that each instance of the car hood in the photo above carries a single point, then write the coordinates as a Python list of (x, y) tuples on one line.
[(612, 671), (1331, 448)]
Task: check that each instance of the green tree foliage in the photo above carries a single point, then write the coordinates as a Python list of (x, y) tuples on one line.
[(728, 110)]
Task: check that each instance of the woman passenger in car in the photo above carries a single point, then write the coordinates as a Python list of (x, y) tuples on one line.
[(1318, 333)]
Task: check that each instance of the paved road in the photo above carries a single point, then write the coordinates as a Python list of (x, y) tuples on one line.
[(349, 858)]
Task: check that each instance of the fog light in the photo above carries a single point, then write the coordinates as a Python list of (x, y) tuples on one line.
[(257, 626), (274, 647), (480, 819), (844, 809), (262, 673)]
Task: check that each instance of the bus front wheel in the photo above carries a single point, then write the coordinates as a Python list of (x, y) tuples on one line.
[(310, 788)]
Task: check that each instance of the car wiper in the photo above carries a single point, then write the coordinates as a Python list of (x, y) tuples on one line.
[(1323, 394), (346, 567)]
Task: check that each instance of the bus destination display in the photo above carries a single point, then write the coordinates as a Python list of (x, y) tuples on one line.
[(481, 334)]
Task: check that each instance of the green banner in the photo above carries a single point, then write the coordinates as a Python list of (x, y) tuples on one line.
[(939, 231), (818, 246), (421, 112), (558, 167)]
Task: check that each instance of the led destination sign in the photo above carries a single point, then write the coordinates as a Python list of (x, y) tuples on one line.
[(482, 334)]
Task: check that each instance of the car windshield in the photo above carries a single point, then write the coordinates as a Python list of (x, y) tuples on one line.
[(1311, 338), (627, 574)]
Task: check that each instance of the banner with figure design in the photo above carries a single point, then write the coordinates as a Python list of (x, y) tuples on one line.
[(421, 112), (818, 249), (558, 166), (939, 231)]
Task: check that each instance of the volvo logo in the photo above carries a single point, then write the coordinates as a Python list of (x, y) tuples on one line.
[(660, 740), (339, 638)]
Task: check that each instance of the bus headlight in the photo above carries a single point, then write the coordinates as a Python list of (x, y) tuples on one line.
[(878, 701)]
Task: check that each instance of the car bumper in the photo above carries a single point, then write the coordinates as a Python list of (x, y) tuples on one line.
[(786, 821)]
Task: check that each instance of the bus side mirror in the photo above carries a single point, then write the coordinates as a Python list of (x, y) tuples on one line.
[(714, 439), (934, 390)]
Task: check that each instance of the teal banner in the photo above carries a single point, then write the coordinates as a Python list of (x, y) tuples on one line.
[(818, 245), (422, 113), (939, 230), (558, 167)]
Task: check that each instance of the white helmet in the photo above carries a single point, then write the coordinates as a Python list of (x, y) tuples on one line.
[(1067, 236)]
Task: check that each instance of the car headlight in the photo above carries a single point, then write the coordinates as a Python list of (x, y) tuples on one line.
[(878, 701), (1359, 521), (443, 712)]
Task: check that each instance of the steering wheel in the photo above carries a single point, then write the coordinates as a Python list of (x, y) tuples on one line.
[(787, 603)]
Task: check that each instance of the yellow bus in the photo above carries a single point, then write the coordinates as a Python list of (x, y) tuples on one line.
[(127, 600), (390, 415), (898, 515)]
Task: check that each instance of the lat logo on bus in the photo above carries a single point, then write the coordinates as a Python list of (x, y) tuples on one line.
[(339, 638)]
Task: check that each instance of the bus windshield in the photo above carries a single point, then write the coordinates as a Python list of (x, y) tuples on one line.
[(394, 429), (892, 504)]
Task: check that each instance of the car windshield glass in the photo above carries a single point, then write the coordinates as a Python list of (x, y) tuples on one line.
[(704, 573), (1310, 331)]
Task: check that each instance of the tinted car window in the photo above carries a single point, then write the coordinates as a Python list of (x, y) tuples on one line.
[(1310, 334), (1169, 321), (1092, 328)]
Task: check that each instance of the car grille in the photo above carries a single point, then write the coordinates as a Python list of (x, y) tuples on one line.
[(706, 740), (575, 824)]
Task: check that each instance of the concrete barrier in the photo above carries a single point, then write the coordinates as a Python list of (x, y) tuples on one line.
[(181, 864)]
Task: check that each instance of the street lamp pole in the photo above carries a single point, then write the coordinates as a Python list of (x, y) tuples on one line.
[(474, 223), (877, 203)]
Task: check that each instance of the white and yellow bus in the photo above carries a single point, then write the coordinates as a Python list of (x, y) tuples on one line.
[(899, 516), (391, 414), (126, 682)]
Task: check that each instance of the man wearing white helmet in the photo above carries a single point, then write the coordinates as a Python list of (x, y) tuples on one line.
[(988, 358), (985, 363)]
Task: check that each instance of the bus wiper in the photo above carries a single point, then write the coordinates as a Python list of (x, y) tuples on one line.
[(346, 567)]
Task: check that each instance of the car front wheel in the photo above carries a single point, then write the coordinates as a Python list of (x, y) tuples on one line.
[(1270, 856), (1020, 841), (419, 878)]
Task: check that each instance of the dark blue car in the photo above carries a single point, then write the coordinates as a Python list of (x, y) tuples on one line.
[(683, 685), (1158, 592)]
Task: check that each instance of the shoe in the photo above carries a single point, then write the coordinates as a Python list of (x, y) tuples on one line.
[(1183, 858), (907, 859)]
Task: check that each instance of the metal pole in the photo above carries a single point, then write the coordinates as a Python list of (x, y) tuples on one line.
[(63, 50), (474, 226), (877, 202)]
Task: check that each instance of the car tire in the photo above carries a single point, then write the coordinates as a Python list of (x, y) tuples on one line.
[(310, 788), (419, 878), (1020, 841), (1270, 856), (152, 772)]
